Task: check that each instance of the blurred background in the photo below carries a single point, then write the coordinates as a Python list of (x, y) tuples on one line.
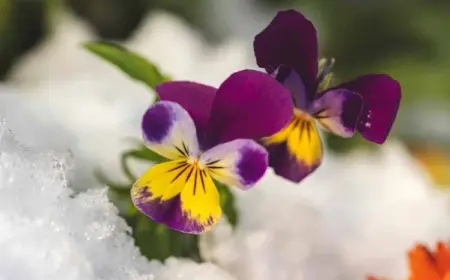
[(57, 95), (407, 41)]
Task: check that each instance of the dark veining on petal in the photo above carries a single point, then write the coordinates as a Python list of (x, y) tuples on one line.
[(180, 165), (302, 129), (216, 167), (295, 123), (181, 151), (318, 115), (203, 173), (195, 180), (181, 172), (185, 149), (308, 130), (213, 162), (190, 173)]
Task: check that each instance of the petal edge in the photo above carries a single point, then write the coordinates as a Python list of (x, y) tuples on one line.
[(249, 105), (290, 39), (381, 95)]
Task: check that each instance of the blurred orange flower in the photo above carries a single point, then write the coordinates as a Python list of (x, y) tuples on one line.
[(427, 265)]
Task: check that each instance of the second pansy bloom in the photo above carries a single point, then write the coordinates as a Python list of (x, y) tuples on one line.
[(206, 134), (288, 50)]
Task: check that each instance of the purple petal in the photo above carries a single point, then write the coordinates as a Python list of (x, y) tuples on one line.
[(179, 195), (290, 40), (381, 95), (338, 111), (287, 166), (296, 151), (169, 131), (249, 105), (239, 163), (292, 81), (195, 98)]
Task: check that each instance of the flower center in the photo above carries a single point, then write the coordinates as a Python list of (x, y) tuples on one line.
[(301, 115), (195, 162), (302, 125)]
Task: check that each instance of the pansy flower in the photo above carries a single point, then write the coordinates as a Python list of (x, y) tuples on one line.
[(428, 265), (206, 135), (288, 50)]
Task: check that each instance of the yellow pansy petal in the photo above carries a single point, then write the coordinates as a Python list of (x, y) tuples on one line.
[(178, 194), (295, 151)]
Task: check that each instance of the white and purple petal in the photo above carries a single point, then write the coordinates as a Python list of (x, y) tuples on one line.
[(169, 131), (338, 111), (240, 162), (195, 98)]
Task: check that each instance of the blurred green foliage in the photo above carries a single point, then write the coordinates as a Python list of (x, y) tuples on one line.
[(22, 26), (405, 39)]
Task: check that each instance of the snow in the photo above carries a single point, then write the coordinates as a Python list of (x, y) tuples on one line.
[(98, 107), (47, 232), (356, 215)]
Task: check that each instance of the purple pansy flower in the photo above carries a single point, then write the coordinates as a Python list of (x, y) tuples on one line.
[(206, 133), (287, 49)]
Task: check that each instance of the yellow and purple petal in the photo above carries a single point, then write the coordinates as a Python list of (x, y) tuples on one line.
[(195, 98), (178, 194), (338, 111), (169, 131), (287, 165), (248, 105), (289, 40), (239, 163), (381, 95), (296, 151)]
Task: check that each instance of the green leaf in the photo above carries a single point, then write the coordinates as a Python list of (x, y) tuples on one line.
[(228, 203), (157, 242), (133, 64)]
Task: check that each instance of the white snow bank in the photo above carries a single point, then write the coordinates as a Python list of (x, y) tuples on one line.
[(356, 216), (48, 233), (96, 105)]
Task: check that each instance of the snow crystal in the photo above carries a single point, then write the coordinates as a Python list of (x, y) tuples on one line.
[(47, 232)]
